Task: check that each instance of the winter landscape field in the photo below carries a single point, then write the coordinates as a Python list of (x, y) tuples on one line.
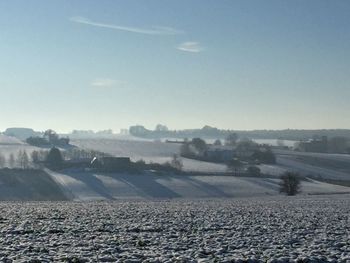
[(206, 215), (178, 131), (87, 216), (90, 186), (307, 229)]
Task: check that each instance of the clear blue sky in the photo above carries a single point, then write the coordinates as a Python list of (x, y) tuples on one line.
[(186, 63)]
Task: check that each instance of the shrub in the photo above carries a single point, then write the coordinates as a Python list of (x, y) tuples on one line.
[(264, 156), (217, 142), (141, 164), (254, 170), (231, 139), (37, 141), (199, 145), (185, 150), (290, 183), (234, 166), (176, 162)]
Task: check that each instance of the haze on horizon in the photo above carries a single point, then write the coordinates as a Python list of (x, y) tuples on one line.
[(230, 64)]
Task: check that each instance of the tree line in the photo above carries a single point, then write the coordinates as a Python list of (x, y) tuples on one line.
[(162, 131), (21, 160), (38, 158), (49, 138)]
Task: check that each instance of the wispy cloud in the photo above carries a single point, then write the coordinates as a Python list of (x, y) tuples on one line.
[(190, 46), (105, 83), (154, 30)]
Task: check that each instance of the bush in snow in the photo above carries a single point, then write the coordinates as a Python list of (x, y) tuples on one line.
[(290, 183)]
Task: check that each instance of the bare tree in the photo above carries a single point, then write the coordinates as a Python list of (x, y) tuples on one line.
[(11, 161), (231, 139), (176, 162), (218, 142), (185, 149), (280, 142), (23, 159), (290, 183), (35, 156), (235, 166), (19, 159), (2, 161)]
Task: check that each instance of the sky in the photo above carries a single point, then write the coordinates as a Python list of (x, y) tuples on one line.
[(246, 64)]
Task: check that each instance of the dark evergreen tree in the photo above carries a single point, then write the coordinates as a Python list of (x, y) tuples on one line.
[(54, 158)]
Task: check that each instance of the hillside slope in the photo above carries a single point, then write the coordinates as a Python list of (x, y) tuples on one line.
[(9, 140), (28, 185), (92, 186)]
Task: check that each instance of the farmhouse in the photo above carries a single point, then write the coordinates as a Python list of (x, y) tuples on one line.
[(315, 145)]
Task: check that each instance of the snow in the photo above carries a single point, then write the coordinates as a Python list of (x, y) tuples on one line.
[(332, 156), (256, 230), (133, 149), (306, 169), (95, 186), (7, 140), (156, 152), (204, 167), (161, 152), (28, 185), (7, 150)]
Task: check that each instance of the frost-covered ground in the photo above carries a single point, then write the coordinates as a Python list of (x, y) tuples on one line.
[(262, 230), (325, 165), (290, 163)]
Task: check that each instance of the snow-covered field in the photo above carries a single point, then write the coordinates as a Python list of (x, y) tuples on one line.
[(332, 156), (91, 186), (4, 140), (325, 165), (161, 152), (7, 150), (173, 218), (149, 151), (12, 145), (28, 185), (135, 149), (310, 229), (307, 169)]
